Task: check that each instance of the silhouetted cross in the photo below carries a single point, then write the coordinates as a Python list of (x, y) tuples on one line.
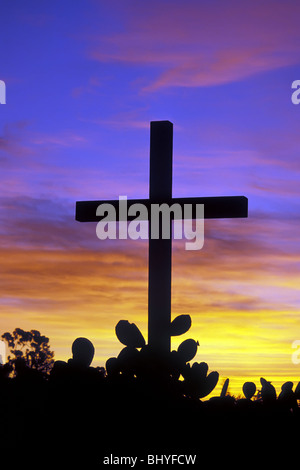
[(160, 250)]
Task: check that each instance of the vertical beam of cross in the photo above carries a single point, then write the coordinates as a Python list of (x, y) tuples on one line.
[(160, 250)]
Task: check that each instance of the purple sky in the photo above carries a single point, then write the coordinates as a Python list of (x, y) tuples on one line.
[(83, 81)]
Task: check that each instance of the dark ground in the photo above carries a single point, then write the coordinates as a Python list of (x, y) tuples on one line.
[(81, 417)]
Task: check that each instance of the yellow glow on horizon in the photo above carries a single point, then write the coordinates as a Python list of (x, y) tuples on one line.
[(236, 316)]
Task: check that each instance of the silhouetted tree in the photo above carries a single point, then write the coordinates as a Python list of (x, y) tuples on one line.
[(30, 347)]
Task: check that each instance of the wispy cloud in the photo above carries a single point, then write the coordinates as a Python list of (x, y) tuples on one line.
[(13, 144), (64, 139), (194, 46), (235, 288), (129, 119), (91, 87)]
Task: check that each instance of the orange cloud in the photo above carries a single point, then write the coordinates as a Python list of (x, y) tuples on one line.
[(241, 292)]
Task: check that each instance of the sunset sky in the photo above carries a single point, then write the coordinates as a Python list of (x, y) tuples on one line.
[(83, 81)]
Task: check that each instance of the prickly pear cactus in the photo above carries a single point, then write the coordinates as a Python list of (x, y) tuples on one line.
[(187, 350), (224, 388), (138, 360), (129, 334), (268, 392), (249, 389), (180, 325), (197, 383)]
